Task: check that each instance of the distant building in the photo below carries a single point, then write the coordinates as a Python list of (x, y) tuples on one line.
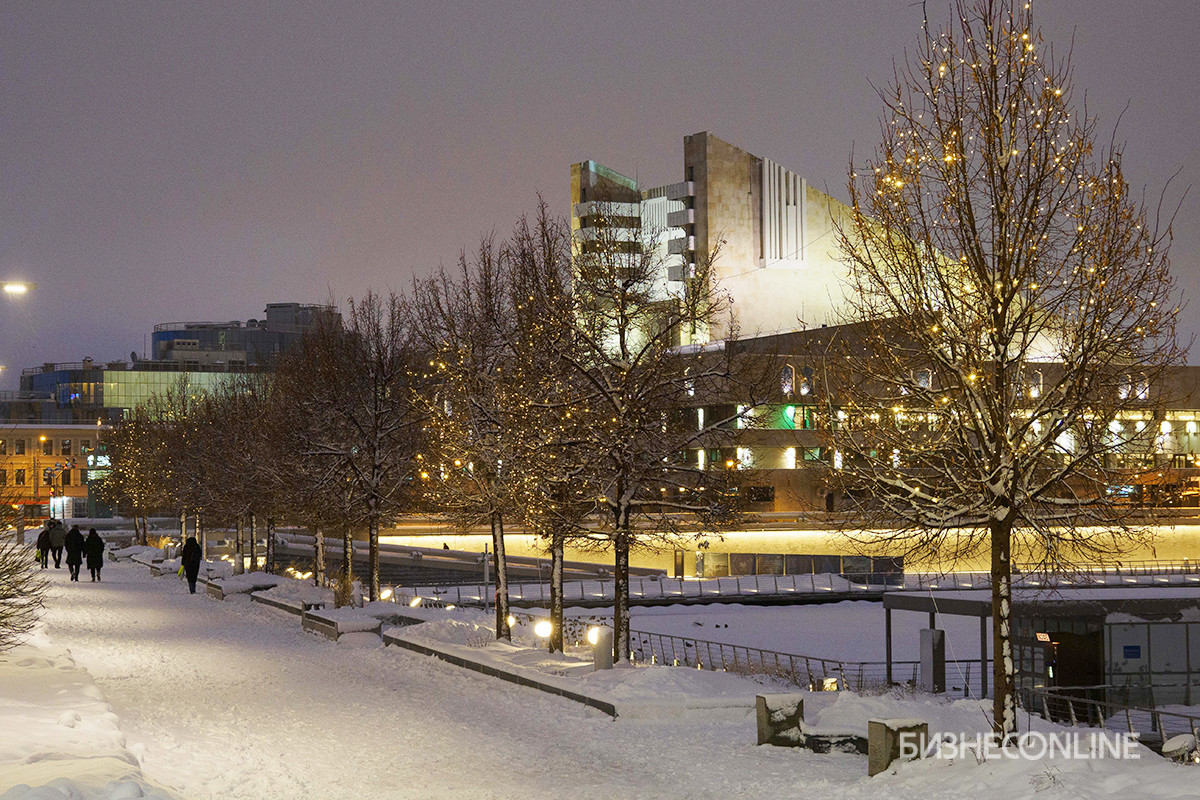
[(54, 422), (255, 342), (774, 236)]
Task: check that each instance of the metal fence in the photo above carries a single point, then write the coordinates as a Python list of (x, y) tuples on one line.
[(1081, 705), (810, 672)]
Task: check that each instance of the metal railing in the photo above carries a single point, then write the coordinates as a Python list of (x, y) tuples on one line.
[(1080, 705), (812, 672), (656, 589)]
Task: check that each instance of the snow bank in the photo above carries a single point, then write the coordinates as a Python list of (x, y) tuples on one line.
[(250, 582), (59, 738), (298, 591)]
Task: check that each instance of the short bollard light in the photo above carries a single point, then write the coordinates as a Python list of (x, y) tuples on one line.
[(386, 594), (543, 629), (416, 601), (511, 620), (601, 638)]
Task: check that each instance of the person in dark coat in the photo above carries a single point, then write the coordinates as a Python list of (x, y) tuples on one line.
[(73, 541), (58, 538), (93, 546), (43, 546), (191, 562)]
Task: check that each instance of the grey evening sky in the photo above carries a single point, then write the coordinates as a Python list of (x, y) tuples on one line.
[(165, 161)]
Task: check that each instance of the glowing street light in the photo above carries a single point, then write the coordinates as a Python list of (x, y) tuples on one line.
[(18, 287)]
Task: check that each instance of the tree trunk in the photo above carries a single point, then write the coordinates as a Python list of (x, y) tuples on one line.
[(270, 555), (556, 591), (201, 536), (318, 556), (1004, 706), (373, 557), (501, 564), (621, 646), (239, 559), (253, 543), (182, 527), (347, 555)]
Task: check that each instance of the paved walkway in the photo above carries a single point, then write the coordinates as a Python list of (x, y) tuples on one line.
[(232, 700)]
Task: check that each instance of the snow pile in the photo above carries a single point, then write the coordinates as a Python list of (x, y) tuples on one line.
[(250, 582), (143, 554), (298, 591), (449, 631), (68, 742)]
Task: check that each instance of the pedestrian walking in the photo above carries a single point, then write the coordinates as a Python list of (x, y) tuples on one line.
[(191, 562), (58, 538), (43, 546), (74, 545), (93, 546)]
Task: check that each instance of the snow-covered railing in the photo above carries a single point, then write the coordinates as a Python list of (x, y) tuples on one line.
[(595, 591)]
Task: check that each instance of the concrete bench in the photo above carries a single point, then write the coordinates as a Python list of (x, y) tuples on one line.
[(889, 740), (780, 717)]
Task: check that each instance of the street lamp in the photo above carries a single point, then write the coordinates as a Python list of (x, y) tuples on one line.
[(18, 287)]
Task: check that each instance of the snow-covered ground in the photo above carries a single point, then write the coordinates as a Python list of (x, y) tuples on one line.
[(233, 700)]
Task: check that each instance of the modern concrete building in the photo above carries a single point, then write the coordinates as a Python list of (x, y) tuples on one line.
[(772, 238)]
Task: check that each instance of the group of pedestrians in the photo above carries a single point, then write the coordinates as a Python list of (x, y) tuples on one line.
[(55, 538)]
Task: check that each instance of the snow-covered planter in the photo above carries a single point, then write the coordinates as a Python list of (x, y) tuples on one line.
[(243, 584), (295, 597), (334, 623)]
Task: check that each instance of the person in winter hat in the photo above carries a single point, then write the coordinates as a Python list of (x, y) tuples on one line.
[(74, 544), (191, 562), (93, 547)]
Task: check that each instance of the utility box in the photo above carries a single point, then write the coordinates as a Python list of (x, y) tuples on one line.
[(602, 650), (933, 660)]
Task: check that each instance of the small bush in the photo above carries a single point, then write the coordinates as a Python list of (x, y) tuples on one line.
[(21, 590)]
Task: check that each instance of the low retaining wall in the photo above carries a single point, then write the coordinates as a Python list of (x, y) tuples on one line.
[(520, 680)]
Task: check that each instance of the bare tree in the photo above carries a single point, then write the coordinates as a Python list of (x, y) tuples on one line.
[(354, 383), (134, 446), (471, 467), (21, 591), (1013, 309), (637, 355)]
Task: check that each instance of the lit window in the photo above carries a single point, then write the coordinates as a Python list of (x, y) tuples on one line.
[(1190, 427)]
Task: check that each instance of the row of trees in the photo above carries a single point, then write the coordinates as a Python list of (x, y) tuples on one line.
[(989, 233), (531, 386)]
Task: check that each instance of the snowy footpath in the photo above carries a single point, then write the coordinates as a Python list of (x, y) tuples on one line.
[(133, 687)]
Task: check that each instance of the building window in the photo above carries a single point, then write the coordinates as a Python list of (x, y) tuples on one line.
[(3, 477), (787, 380), (66, 447), (19, 477), (924, 379), (66, 477), (84, 446), (18, 447), (47, 446)]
